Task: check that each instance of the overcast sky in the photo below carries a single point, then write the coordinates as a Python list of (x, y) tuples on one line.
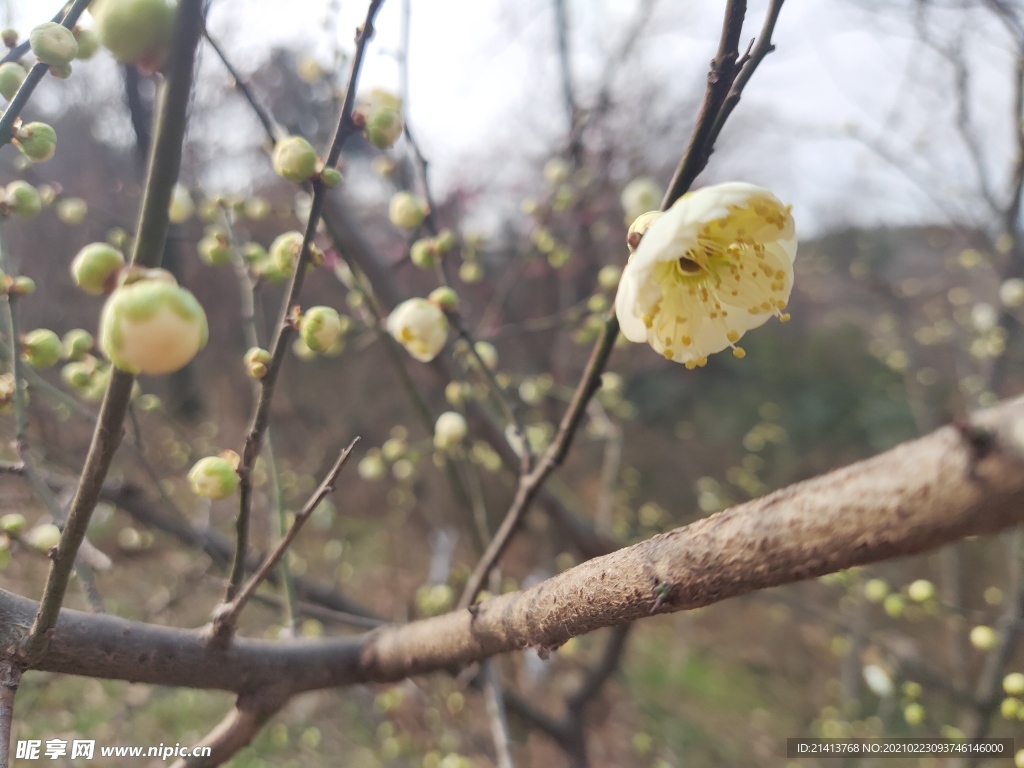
[(475, 66)]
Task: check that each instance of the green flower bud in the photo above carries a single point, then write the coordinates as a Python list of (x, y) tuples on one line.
[(295, 159), (913, 714), (406, 211), (77, 343), (37, 141), (444, 298), (22, 286), (135, 31), (78, 375), (371, 467), (23, 199), (253, 253), (285, 251), (445, 240), (894, 606), (424, 253), (214, 250), (181, 207), (43, 537), (471, 272), (331, 177), (639, 195), (556, 171), (984, 638), (41, 348), (608, 277), (152, 325), (383, 127), (1013, 683), (921, 590), (72, 210), (12, 75), (88, 42), (61, 71), (95, 268), (12, 523), (214, 477), (53, 44), (257, 355), (256, 370), (320, 328), (256, 208), (9, 37)]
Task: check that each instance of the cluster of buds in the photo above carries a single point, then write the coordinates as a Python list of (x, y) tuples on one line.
[(296, 160), (215, 477), (426, 251), (135, 31), (150, 324)]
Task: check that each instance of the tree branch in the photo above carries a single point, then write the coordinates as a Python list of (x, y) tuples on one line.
[(959, 481), (165, 161)]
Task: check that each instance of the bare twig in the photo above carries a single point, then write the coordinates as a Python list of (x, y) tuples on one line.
[(227, 614), (721, 95), (165, 161)]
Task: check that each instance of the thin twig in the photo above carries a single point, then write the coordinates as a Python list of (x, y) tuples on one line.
[(11, 115), (10, 678), (720, 91), (227, 614), (261, 415), (165, 161)]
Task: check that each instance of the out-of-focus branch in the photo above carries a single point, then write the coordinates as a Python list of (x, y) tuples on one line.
[(959, 481), (165, 161), (10, 678), (237, 730)]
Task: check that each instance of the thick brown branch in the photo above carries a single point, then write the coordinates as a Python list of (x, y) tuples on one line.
[(959, 481)]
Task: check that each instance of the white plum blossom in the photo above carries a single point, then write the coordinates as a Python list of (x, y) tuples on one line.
[(419, 326), (717, 264)]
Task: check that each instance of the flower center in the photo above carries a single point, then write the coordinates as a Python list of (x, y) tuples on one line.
[(687, 266)]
